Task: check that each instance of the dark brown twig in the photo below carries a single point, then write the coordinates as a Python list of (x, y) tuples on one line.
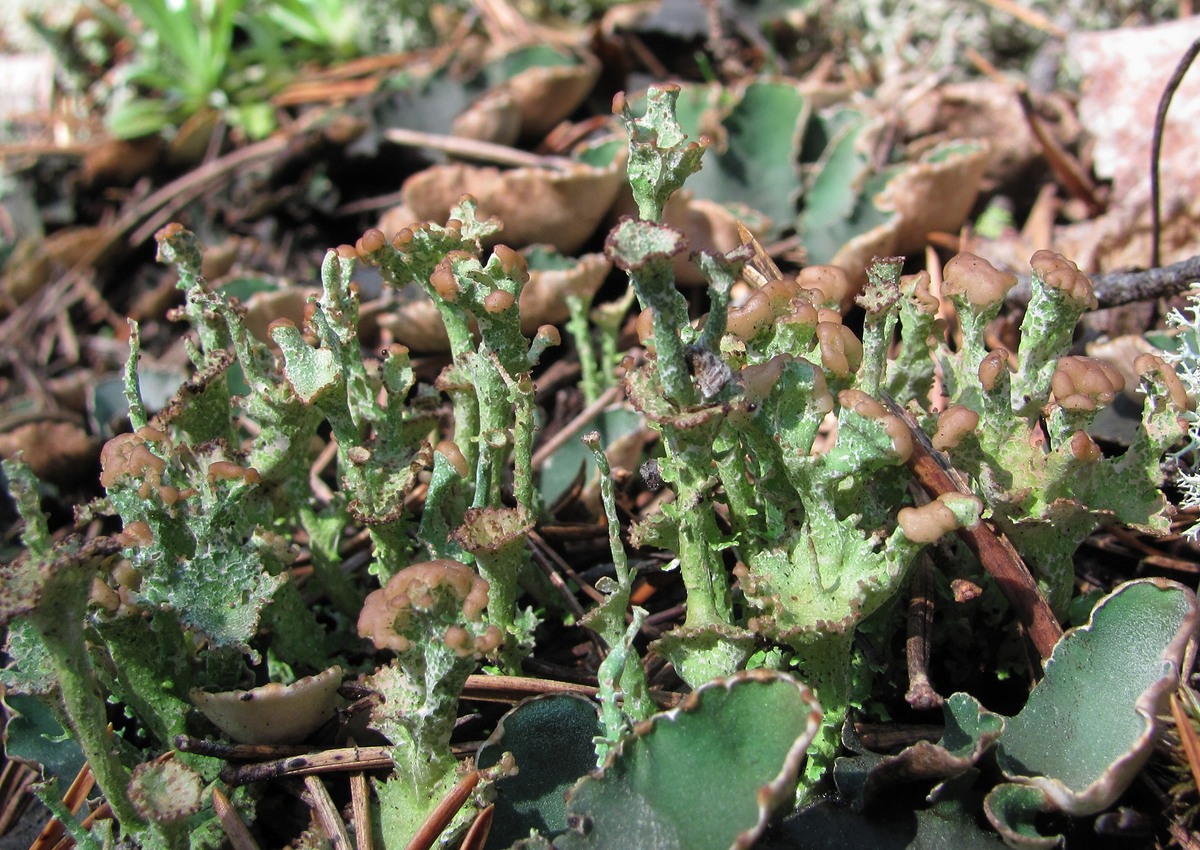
[(1117, 288), (1066, 168), (1160, 121), (997, 555), (329, 761), (237, 752)]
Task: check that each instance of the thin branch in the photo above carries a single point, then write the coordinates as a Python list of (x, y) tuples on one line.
[(564, 434), (1160, 121), (360, 802), (921, 694), (441, 816), (327, 814), (475, 149), (235, 829), (329, 761), (1116, 288), (997, 555)]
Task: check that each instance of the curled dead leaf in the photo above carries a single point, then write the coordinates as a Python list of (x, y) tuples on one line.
[(547, 95), (933, 195), (61, 453), (494, 118), (560, 207)]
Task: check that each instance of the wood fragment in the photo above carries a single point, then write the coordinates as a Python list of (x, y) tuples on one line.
[(327, 814), (996, 553), (360, 802), (921, 694), (445, 811), (235, 829)]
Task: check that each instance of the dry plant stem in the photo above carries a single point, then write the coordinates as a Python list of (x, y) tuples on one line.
[(1028, 16), (563, 435), (511, 689), (360, 802), (1065, 167), (515, 688), (1160, 121), (54, 831), (327, 814), (329, 761), (474, 149), (141, 220), (997, 555), (1187, 736), (893, 737), (540, 558), (481, 827), (235, 830), (1117, 288), (15, 780), (440, 817), (540, 545), (237, 752), (921, 694)]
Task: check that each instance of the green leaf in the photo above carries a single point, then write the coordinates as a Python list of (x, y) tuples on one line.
[(1090, 724), (137, 118), (561, 469), (705, 775), (550, 738), (756, 162), (33, 734), (839, 203)]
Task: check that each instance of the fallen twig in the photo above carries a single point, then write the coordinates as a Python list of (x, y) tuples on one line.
[(997, 555), (1116, 288)]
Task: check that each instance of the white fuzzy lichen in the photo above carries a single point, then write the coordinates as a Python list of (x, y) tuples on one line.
[(1186, 360)]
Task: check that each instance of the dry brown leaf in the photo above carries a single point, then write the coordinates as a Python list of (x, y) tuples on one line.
[(58, 452), (927, 197), (536, 205), (494, 118), (985, 109), (546, 96)]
